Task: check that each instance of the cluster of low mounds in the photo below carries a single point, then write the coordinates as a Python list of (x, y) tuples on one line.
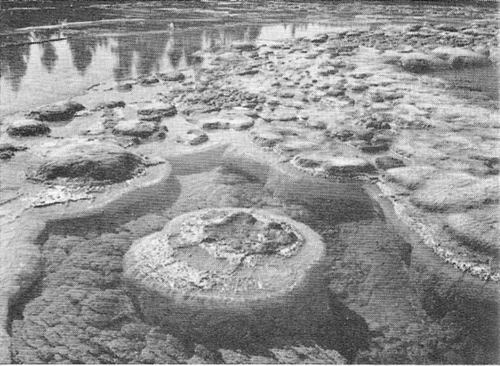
[(223, 275), (148, 122), (88, 160)]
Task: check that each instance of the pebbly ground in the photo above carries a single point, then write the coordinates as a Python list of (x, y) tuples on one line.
[(353, 105)]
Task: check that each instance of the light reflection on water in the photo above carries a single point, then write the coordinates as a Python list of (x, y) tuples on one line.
[(40, 73)]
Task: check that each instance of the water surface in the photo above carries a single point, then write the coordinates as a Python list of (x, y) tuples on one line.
[(167, 38)]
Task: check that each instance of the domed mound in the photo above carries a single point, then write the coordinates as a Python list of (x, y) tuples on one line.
[(89, 160), (229, 274)]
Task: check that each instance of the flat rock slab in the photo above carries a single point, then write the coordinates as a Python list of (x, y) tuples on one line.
[(193, 137), (226, 272), (457, 191), (419, 62), (172, 76), (410, 177), (88, 160), (461, 57), (136, 128), (477, 229), (323, 164), (156, 111), (226, 120), (61, 111), (267, 138), (243, 46), (28, 127)]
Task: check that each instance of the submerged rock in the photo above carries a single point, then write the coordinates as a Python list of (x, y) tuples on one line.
[(156, 111), (244, 46), (135, 128), (388, 162), (267, 138), (410, 177), (110, 105), (477, 229), (88, 160), (218, 274), (28, 127), (320, 38), (227, 120), (172, 76), (456, 191), (461, 57), (418, 62), (8, 150), (193, 137), (149, 80), (318, 163), (61, 111)]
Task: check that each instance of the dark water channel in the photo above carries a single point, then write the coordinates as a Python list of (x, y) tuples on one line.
[(81, 312)]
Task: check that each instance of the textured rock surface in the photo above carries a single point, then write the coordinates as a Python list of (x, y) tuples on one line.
[(241, 266), (156, 111), (430, 304), (460, 57), (410, 177), (135, 128), (28, 127), (477, 229), (421, 62), (456, 191), (88, 160), (318, 163), (61, 111)]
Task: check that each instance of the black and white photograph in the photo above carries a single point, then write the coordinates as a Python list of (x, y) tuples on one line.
[(249, 182)]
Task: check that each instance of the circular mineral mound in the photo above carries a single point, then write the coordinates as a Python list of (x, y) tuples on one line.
[(229, 274), (88, 160)]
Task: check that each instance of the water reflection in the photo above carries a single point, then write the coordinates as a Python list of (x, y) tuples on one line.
[(47, 49), (82, 51), (14, 61), (49, 56), (68, 63), (133, 55)]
